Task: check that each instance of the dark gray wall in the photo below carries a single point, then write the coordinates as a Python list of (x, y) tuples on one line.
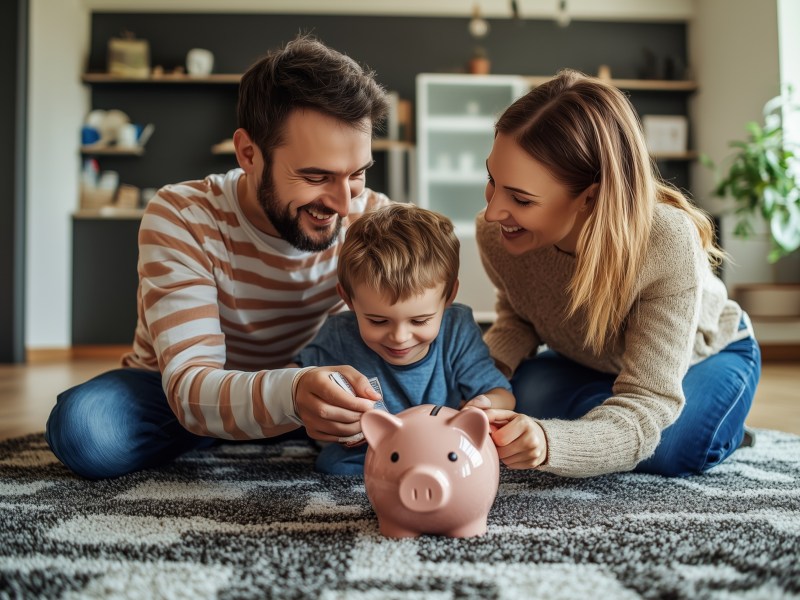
[(399, 47), (104, 280), (13, 101), (189, 119)]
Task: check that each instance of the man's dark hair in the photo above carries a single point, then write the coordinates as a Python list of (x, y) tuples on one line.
[(305, 73)]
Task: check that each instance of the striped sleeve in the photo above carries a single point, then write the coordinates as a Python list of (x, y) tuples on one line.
[(221, 309), (180, 311)]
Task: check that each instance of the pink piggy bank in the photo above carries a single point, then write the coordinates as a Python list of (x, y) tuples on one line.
[(430, 469)]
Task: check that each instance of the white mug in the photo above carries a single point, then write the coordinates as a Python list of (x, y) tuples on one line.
[(199, 62), (128, 136)]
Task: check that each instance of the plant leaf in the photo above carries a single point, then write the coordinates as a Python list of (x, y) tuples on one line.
[(785, 228), (770, 197), (756, 133), (763, 178), (773, 104), (706, 161)]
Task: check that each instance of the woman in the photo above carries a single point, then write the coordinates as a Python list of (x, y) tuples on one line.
[(649, 365)]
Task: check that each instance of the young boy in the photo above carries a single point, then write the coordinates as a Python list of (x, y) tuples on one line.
[(398, 273)]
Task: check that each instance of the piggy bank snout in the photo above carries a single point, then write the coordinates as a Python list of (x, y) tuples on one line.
[(424, 489)]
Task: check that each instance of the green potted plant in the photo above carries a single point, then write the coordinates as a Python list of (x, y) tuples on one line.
[(762, 177)]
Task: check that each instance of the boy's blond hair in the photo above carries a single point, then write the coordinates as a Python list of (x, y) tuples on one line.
[(400, 251)]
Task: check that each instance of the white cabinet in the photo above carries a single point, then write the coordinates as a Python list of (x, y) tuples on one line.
[(455, 129)]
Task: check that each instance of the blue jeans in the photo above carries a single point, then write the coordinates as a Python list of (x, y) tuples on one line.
[(117, 423), (719, 391), (336, 459), (120, 422)]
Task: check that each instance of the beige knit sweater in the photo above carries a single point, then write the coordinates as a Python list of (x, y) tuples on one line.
[(680, 315)]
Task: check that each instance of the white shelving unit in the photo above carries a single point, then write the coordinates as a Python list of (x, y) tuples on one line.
[(455, 129)]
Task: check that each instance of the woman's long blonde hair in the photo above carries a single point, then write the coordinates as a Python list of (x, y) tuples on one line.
[(586, 131)]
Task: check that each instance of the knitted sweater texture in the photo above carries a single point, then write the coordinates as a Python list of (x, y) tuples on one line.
[(679, 315)]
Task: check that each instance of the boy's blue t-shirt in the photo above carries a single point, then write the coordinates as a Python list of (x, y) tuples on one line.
[(457, 367)]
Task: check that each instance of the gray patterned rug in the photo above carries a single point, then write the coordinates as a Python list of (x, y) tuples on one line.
[(255, 521)]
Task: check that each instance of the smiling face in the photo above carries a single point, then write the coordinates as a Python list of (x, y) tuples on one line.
[(314, 174), (533, 208), (400, 333)]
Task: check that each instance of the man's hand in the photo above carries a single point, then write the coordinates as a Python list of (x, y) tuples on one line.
[(521, 441), (327, 411)]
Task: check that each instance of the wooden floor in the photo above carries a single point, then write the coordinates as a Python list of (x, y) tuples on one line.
[(28, 392)]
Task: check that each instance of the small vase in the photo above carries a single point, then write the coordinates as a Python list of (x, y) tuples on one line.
[(479, 65)]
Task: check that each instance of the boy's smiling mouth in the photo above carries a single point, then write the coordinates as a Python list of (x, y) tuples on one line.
[(399, 352)]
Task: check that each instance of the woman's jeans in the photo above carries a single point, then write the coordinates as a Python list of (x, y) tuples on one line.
[(719, 391)]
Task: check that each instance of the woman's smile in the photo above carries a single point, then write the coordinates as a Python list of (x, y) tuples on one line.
[(511, 232)]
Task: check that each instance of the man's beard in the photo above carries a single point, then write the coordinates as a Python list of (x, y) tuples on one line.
[(288, 227)]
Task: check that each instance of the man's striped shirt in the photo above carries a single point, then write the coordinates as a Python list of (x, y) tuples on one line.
[(223, 306)]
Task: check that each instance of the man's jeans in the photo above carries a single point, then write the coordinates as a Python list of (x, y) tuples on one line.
[(120, 422), (117, 423), (719, 391)]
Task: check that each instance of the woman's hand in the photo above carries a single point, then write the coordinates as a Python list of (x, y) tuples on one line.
[(481, 401), (494, 398), (520, 440)]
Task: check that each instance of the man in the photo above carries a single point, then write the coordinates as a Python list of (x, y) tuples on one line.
[(236, 274)]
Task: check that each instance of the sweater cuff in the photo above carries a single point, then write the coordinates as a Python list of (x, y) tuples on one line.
[(585, 448), (278, 388)]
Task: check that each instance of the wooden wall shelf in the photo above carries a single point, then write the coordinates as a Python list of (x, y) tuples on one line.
[(382, 144), (226, 147), (112, 151), (655, 85), (223, 148), (108, 212), (218, 78)]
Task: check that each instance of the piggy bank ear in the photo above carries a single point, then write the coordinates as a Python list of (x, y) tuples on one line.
[(377, 425), (474, 423)]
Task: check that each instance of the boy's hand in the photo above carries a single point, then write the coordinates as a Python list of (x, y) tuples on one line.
[(520, 440), (328, 412)]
